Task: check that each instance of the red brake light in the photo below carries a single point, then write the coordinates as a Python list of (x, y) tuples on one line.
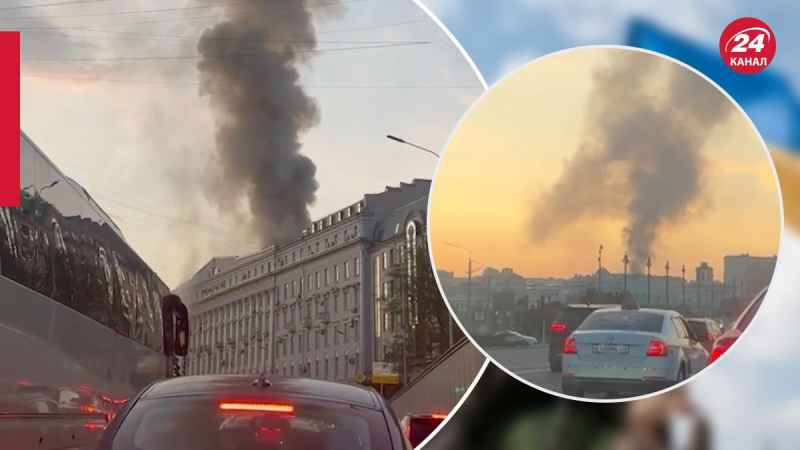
[(260, 407), (709, 337), (570, 347), (720, 347), (558, 327), (657, 348), (439, 416)]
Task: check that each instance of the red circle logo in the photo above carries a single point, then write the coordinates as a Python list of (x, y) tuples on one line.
[(747, 45)]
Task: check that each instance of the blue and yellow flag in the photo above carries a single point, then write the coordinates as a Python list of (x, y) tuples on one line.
[(766, 97)]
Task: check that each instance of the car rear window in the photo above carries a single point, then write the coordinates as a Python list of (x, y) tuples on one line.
[(201, 423), (573, 317), (624, 321), (421, 428), (698, 327)]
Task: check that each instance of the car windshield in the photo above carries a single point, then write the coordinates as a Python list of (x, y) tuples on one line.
[(750, 313), (204, 423), (421, 428), (699, 328), (624, 321)]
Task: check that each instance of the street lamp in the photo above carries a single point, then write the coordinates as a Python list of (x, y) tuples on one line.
[(600, 274), (403, 141), (649, 264), (471, 313), (667, 281), (683, 273), (625, 262)]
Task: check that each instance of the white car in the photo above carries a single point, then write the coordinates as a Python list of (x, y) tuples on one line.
[(630, 350)]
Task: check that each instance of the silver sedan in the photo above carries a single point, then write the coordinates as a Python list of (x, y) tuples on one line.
[(630, 350)]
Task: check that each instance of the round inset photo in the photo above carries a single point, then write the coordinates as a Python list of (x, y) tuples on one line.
[(605, 223)]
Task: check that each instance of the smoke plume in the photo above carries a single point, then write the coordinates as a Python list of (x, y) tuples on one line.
[(641, 155), (249, 70)]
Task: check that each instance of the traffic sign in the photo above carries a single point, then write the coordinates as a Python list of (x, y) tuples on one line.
[(360, 377)]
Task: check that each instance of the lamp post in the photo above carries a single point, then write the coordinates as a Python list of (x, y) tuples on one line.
[(649, 264), (625, 262), (403, 141), (469, 292), (600, 274), (667, 282), (683, 273)]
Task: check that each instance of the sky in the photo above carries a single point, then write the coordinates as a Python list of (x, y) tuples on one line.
[(136, 134), (517, 143), (750, 395)]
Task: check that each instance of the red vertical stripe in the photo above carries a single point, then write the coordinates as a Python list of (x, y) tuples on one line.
[(9, 118)]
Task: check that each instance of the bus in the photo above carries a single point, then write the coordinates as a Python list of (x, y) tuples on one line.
[(80, 313)]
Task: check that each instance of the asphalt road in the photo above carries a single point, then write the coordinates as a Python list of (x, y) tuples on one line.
[(531, 364)]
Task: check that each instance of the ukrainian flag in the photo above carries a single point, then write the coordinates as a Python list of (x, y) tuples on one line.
[(766, 97)]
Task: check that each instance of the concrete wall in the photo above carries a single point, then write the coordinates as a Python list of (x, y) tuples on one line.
[(443, 384)]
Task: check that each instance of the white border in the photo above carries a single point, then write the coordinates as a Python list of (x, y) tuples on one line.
[(463, 52), (488, 360), (433, 186)]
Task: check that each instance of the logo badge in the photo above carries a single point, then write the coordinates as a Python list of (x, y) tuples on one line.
[(747, 45)]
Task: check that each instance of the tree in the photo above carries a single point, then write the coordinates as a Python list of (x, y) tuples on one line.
[(416, 301)]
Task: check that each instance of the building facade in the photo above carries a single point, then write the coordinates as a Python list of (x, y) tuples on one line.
[(748, 275), (311, 307)]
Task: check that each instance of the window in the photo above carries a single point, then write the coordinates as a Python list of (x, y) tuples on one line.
[(316, 275), (286, 291), (386, 291), (269, 267), (336, 273), (294, 284), (294, 256), (327, 277), (317, 247), (347, 270), (385, 261), (357, 268), (336, 334)]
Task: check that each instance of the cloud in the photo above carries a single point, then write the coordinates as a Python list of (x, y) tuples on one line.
[(515, 61)]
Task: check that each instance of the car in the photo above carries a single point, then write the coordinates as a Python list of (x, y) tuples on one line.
[(732, 334), (419, 426), (213, 412), (630, 350), (569, 318), (706, 330), (513, 339)]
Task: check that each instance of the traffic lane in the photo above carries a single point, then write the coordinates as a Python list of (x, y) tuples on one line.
[(533, 365)]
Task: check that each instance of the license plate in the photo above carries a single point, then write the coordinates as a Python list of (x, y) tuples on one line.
[(611, 348)]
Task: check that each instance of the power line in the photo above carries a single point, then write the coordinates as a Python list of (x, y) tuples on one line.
[(44, 5), (139, 11), (222, 15), (189, 83), (177, 38), (313, 33), (230, 55)]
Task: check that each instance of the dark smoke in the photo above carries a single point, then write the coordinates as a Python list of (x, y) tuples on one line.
[(641, 156), (261, 112)]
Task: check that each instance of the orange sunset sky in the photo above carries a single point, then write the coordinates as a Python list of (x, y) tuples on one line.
[(514, 145)]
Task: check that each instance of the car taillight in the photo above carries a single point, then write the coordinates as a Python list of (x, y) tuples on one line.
[(657, 348), (720, 347), (439, 416), (570, 347), (259, 407), (558, 327), (709, 337)]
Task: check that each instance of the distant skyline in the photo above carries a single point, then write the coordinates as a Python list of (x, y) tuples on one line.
[(516, 144), (138, 137)]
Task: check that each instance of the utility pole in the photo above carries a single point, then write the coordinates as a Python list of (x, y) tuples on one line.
[(600, 274), (649, 264), (469, 294), (667, 282), (683, 272), (625, 262)]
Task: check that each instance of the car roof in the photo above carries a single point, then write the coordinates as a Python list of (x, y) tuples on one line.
[(242, 385), (590, 305), (664, 312)]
